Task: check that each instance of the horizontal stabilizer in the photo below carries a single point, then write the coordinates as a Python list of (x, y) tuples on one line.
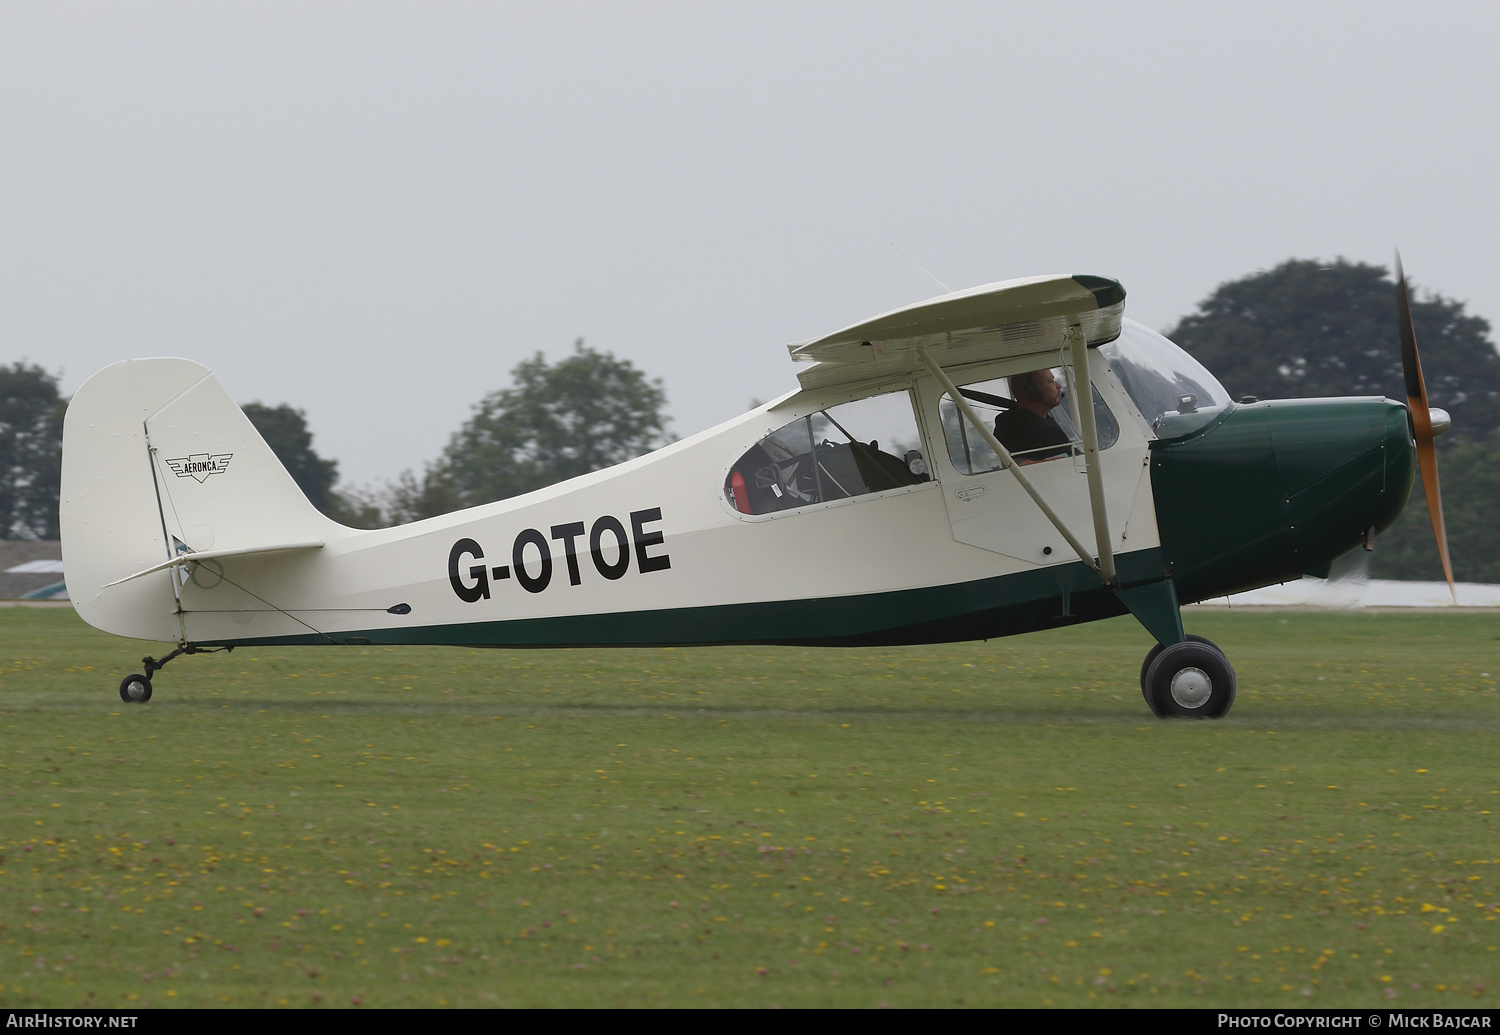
[(204, 555)]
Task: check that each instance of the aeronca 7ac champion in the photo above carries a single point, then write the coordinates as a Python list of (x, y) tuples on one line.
[(1013, 457)]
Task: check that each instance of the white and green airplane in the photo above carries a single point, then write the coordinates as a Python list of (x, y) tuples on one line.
[(875, 504)]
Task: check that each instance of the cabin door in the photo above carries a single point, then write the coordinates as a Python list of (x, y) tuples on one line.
[(988, 507)]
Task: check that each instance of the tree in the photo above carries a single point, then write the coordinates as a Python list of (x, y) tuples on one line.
[(31, 416), (285, 431), (588, 411), (1470, 472), (1308, 329)]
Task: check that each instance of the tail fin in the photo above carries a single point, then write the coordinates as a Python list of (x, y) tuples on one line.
[(158, 461)]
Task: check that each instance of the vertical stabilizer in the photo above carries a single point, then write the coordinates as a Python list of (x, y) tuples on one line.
[(158, 460)]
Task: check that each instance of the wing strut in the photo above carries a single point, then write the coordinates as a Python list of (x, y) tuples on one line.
[(1079, 345), (1009, 461)]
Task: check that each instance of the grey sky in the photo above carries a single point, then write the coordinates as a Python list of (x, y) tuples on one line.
[(372, 211)]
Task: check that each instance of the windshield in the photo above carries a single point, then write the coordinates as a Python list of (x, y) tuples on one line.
[(1162, 380)]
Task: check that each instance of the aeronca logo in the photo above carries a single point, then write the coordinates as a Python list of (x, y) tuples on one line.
[(200, 465)]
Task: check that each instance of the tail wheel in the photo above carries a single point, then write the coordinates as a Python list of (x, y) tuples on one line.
[(135, 689), (1190, 680)]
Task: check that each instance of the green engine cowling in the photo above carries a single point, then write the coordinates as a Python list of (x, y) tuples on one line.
[(1267, 492)]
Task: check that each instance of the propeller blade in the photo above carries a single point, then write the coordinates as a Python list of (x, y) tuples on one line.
[(1421, 421)]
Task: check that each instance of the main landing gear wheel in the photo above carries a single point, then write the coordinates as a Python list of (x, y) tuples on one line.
[(1190, 680), (135, 689), (1154, 651)]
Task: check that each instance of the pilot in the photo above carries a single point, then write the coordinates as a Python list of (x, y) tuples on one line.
[(1028, 425)]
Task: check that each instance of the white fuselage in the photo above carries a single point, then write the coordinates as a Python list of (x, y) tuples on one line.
[(689, 549)]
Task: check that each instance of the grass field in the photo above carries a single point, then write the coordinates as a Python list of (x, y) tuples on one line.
[(992, 824)]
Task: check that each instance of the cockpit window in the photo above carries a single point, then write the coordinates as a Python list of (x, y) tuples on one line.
[(850, 450), (1163, 380), (1029, 437)]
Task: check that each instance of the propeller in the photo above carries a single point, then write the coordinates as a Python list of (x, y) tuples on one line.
[(1422, 421)]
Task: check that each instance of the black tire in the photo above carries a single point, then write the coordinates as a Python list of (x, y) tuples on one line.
[(1154, 651), (1190, 680), (135, 689)]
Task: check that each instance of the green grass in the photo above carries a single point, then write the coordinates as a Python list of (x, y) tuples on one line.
[(993, 824)]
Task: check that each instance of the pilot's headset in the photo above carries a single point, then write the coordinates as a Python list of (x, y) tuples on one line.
[(1025, 385)]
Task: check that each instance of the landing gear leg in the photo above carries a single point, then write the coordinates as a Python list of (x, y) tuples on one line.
[(136, 688), (1184, 675)]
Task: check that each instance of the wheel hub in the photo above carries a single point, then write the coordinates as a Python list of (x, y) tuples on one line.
[(1191, 688), (136, 690)]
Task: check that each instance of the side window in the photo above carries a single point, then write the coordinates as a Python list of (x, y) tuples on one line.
[(1032, 418), (848, 450)]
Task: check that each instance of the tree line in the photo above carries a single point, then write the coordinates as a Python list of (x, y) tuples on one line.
[(587, 411), (1303, 329)]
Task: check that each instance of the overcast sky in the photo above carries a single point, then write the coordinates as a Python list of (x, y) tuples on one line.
[(373, 211)]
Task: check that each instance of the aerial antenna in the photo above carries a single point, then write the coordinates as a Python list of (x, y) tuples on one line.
[(918, 265)]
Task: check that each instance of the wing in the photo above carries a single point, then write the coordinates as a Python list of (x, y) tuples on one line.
[(1007, 319)]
